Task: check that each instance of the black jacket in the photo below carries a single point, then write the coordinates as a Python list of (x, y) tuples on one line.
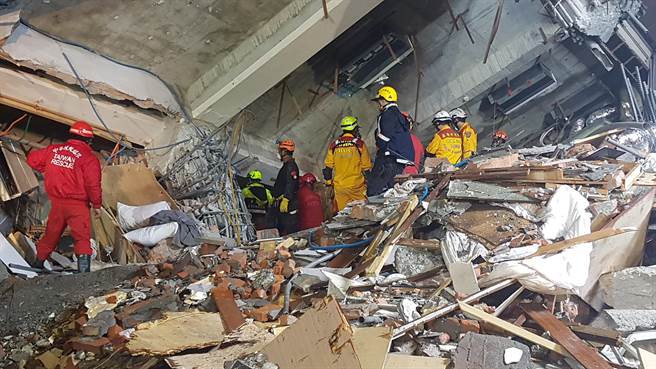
[(393, 135), (287, 183)]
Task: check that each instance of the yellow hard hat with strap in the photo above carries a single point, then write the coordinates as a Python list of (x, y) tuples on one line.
[(387, 93)]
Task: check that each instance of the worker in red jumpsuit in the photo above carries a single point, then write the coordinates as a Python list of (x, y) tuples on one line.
[(310, 211), (72, 181)]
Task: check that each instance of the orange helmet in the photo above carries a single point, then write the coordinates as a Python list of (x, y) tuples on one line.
[(501, 134), (81, 128), (288, 145)]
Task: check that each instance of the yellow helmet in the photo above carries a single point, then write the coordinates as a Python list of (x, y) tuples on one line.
[(387, 93), (255, 175), (349, 123)]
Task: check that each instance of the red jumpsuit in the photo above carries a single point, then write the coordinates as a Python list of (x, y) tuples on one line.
[(72, 182), (310, 211)]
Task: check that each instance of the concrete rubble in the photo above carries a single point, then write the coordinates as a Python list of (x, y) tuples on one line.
[(631, 288)]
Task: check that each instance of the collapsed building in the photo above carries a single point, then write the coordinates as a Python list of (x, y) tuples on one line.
[(547, 240)]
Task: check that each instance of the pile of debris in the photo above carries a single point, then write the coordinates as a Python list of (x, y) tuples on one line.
[(524, 259)]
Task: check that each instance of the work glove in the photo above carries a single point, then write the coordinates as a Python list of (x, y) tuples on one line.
[(284, 205)]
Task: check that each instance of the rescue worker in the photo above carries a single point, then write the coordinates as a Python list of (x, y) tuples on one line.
[(417, 146), (468, 134), (500, 138), (258, 199), (393, 140), (310, 210), (447, 143), (72, 181), (285, 189), (346, 163)]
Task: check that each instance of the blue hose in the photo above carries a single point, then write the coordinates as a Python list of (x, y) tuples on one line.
[(425, 194), (314, 246)]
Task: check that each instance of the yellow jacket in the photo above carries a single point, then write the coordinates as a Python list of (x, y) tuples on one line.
[(469, 140), (348, 157), (446, 144)]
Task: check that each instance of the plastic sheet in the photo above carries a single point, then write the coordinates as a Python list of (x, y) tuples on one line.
[(150, 236), (562, 273), (639, 139), (464, 247)]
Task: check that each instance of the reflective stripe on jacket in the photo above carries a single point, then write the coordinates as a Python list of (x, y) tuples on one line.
[(348, 157)]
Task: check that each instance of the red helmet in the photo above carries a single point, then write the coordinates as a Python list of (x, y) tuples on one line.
[(308, 178), (287, 145), (501, 134), (81, 128)]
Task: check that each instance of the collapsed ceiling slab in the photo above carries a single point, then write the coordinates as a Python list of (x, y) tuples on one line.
[(267, 57), (26, 47)]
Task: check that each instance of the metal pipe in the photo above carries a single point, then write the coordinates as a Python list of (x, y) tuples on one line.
[(289, 285), (400, 331), (629, 90)]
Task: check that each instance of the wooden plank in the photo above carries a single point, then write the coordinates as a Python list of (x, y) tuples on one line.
[(372, 345), (321, 338), (419, 244), (23, 175), (631, 177), (513, 329), (590, 237), (601, 335), (581, 351), (594, 137), (401, 361)]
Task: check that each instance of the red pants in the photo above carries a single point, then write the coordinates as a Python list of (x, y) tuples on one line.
[(75, 214)]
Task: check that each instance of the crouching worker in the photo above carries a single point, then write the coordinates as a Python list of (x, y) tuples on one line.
[(72, 181)]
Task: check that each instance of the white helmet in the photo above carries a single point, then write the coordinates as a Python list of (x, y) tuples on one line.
[(443, 117), (458, 113)]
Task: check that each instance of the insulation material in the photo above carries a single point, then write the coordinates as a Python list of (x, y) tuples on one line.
[(28, 48), (463, 247), (562, 273), (132, 217)]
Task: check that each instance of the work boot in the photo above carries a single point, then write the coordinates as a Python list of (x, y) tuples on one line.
[(83, 263), (39, 264)]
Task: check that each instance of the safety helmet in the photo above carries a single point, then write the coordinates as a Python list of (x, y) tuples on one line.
[(387, 93), (81, 128), (349, 123), (308, 178), (501, 134), (442, 117), (459, 114), (288, 145), (255, 175)]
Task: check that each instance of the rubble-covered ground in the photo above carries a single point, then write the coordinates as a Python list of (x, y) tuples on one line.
[(529, 258)]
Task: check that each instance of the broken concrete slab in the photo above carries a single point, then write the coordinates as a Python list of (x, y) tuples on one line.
[(100, 324), (631, 288), (411, 261), (177, 332), (626, 320), (471, 190), (477, 351)]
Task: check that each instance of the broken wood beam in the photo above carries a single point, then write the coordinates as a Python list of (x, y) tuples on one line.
[(581, 351), (325, 8), (590, 237), (419, 244), (513, 329), (400, 331)]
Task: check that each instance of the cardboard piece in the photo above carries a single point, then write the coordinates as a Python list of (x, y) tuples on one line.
[(132, 184), (176, 332), (321, 338), (372, 345)]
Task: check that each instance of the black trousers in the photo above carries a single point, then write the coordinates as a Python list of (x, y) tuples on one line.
[(381, 177)]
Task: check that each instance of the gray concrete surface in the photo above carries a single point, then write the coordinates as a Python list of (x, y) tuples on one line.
[(632, 288)]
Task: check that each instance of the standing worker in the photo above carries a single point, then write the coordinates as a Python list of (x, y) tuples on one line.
[(417, 146), (258, 199), (346, 163), (310, 210), (72, 181), (468, 134), (447, 143), (394, 143), (285, 189)]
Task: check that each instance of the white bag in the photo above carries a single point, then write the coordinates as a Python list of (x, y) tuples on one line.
[(150, 236), (133, 217)]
